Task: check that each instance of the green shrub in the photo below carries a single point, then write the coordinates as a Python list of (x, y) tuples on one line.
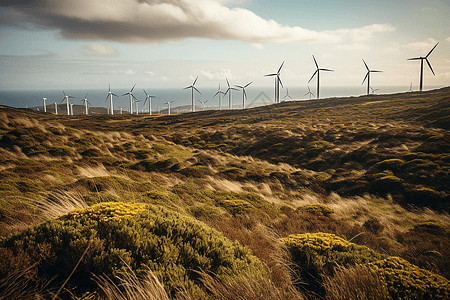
[(237, 206), (406, 281), (118, 236), (391, 164), (319, 208), (196, 171), (317, 254)]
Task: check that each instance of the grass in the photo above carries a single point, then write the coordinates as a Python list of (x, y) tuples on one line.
[(373, 170)]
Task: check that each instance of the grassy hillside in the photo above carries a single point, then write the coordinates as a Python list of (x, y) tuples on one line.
[(371, 170)]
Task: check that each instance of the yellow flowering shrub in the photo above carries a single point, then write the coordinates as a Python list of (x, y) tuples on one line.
[(107, 211), (406, 281), (317, 254), (322, 208), (109, 238)]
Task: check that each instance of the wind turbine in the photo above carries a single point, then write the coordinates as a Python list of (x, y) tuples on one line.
[(203, 103), (168, 103), (110, 95), (287, 95), (56, 108), (220, 93), (131, 96), (277, 83), (192, 87), (318, 75), (309, 93), (86, 102), (410, 88), (373, 90), (421, 65), (244, 95), (71, 109), (43, 104), (230, 106), (66, 97), (149, 98), (121, 110), (368, 76), (136, 101)]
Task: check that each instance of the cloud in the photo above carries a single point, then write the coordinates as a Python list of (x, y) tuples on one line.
[(423, 46), (155, 21), (258, 46), (448, 39), (120, 72), (96, 49), (218, 75)]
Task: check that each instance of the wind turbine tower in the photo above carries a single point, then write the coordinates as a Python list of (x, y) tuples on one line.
[(110, 95), (368, 76), (220, 93), (86, 103), (243, 93), (318, 75), (192, 87), (277, 83), (56, 108), (43, 104), (149, 98), (230, 105), (66, 97), (168, 108), (422, 58), (131, 96)]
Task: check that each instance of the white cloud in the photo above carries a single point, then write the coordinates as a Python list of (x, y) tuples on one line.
[(150, 72), (423, 46), (352, 47), (129, 72), (96, 49), (448, 39), (154, 21), (217, 75)]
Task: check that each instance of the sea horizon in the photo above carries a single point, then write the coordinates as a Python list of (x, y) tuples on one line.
[(256, 96)]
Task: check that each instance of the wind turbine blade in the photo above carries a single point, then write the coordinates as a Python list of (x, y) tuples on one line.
[(431, 50), (115, 95), (109, 90), (248, 84), (279, 80), (85, 97), (196, 90), (125, 94), (365, 77), (280, 67), (430, 66), (133, 88), (216, 93), (329, 70), (374, 71), (195, 81), (206, 101), (239, 86), (274, 74), (145, 92), (64, 93), (228, 82), (188, 87), (71, 97), (133, 97), (313, 75), (245, 94), (317, 66), (107, 97), (415, 58), (306, 94), (63, 100), (366, 65)]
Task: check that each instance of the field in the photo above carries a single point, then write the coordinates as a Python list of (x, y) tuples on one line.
[(298, 200)]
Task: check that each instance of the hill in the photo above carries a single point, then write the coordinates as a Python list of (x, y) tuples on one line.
[(373, 170)]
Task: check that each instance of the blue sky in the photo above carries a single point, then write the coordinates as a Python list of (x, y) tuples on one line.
[(87, 44)]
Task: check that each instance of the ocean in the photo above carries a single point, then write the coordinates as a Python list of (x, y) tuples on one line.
[(181, 98)]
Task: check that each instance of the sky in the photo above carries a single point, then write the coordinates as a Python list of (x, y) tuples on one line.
[(89, 44)]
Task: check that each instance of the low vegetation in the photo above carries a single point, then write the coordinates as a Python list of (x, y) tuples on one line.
[(299, 200)]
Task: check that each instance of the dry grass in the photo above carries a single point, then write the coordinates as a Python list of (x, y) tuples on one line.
[(353, 283), (59, 203)]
